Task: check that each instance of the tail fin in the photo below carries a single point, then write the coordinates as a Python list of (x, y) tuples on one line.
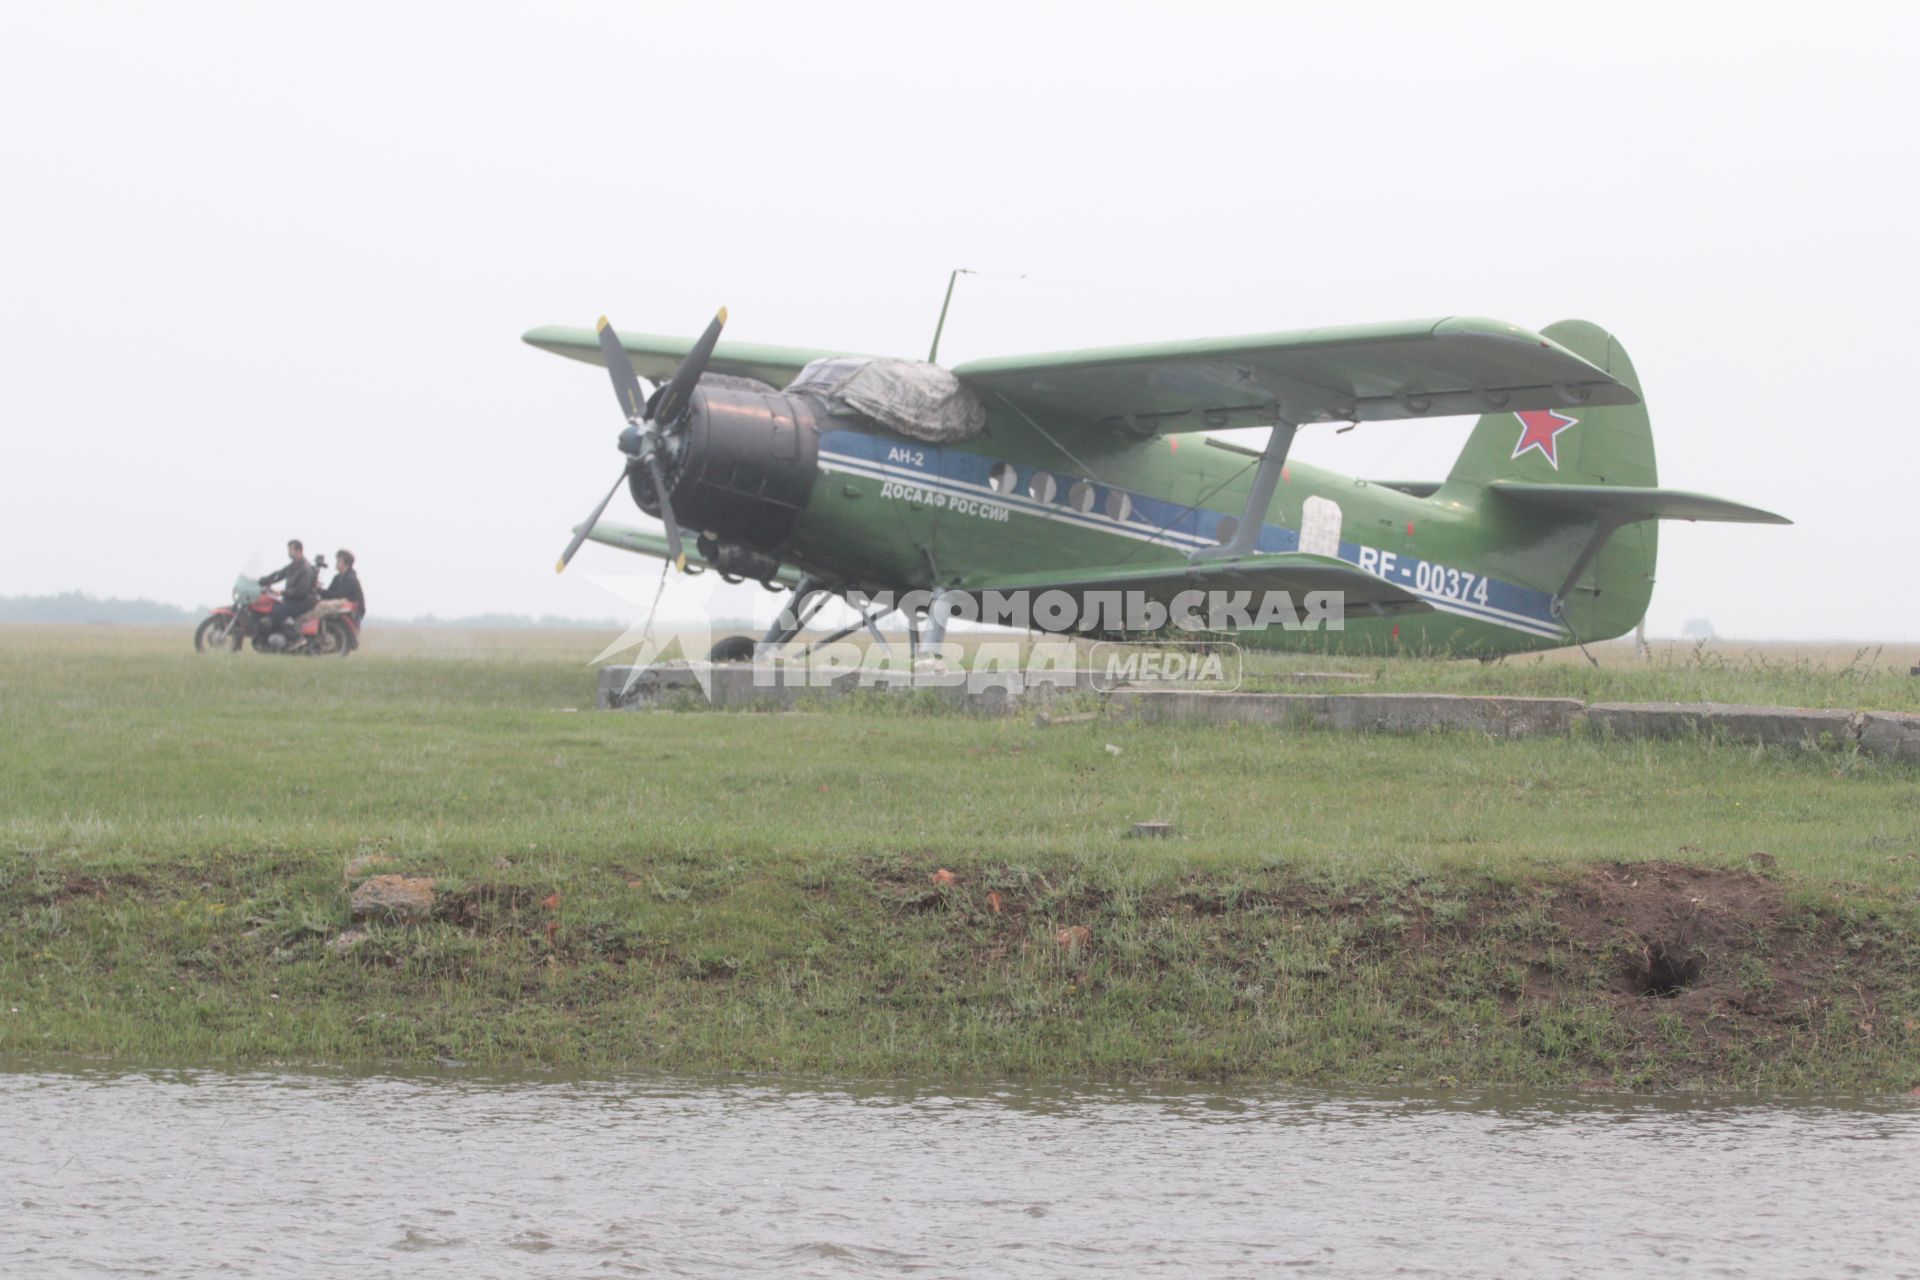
[(1567, 446), (1577, 446)]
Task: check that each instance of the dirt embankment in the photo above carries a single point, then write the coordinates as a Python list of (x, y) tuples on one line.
[(1639, 975), (1725, 954), (1696, 973)]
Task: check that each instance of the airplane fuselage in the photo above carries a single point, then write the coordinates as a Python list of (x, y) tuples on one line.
[(888, 513)]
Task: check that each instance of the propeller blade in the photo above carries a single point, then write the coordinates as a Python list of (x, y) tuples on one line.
[(666, 511), (626, 383), (673, 398), (592, 520)]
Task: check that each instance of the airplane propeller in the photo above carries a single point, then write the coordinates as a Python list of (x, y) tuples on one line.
[(647, 419)]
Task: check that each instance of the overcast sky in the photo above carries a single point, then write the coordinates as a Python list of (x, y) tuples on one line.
[(267, 265)]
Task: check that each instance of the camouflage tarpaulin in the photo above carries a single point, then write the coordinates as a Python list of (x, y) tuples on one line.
[(915, 399)]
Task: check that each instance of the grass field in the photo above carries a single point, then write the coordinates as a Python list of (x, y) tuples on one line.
[(754, 891), (1858, 676)]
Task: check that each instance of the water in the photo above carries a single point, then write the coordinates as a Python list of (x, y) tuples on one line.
[(206, 1173)]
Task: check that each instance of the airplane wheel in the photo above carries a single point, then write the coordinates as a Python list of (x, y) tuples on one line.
[(732, 649)]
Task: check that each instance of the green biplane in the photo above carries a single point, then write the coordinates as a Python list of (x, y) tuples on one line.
[(1092, 474)]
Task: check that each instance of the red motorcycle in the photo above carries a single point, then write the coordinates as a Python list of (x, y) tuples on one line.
[(330, 628)]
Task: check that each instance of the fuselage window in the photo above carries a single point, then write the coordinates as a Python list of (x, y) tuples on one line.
[(1224, 531), (1080, 496), (1119, 505), (1042, 487), (1000, 479)]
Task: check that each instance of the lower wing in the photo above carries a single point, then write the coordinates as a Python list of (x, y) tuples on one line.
[(1295, 573)]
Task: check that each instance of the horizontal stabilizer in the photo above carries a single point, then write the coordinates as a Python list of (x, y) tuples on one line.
[(1624, 504), (1293, 572)]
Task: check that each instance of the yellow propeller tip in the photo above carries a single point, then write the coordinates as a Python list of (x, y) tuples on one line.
[(681, 563), (722, 317), (602, 324), (560, 566)]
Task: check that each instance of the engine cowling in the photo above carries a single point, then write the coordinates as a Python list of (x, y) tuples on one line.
[(740, 466)]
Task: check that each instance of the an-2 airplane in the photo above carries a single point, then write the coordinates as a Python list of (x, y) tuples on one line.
[(1092, 472)]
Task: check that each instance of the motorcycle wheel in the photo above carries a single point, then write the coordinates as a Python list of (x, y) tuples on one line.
[(216, 635), (331, 641)]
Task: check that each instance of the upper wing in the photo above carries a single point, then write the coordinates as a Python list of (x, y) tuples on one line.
[(1410, 369), (1629, 503), (1290, 571), (656, 357)]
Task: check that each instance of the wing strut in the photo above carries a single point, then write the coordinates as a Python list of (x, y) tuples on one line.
[(1266, 477)]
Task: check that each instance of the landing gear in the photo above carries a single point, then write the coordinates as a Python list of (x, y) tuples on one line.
[(808, 595)]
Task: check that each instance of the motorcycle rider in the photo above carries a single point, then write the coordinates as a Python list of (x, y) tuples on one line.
[(302, 586), (346, 583)]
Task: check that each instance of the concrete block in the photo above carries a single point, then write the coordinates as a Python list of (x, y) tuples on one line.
[(1379, 712), (1499, 717), (1889, 733), (735, 686), (1784, 725), (1212, 706), (738, 686)]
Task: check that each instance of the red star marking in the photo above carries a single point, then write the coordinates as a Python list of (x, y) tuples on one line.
[(1542, 427)]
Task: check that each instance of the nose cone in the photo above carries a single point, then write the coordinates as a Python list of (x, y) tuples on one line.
[(742, 465), (630, 441)]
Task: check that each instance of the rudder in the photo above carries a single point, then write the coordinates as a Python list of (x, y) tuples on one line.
[(1584, 446)]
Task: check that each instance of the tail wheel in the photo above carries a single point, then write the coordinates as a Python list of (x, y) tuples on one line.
[(217, 635)]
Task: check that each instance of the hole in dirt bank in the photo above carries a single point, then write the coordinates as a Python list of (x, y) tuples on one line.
[(1664, 969)]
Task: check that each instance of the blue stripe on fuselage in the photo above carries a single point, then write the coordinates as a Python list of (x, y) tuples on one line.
[(1167, 523)]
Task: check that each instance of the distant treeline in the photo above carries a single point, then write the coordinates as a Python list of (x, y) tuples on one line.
[(511, 622), (78, 606), (547, 621)]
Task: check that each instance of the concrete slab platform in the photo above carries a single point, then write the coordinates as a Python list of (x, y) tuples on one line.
[(1890, 733), (1781, 725), (668, 687), (741, 686), (1501, 717), (736, 686)]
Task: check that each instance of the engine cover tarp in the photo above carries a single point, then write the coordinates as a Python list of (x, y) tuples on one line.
[(919, 400)]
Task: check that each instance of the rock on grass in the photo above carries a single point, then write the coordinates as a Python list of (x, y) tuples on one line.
[(408, 899)]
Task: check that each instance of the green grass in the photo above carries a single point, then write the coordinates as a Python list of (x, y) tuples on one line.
[(1853, 677), (750, 890)]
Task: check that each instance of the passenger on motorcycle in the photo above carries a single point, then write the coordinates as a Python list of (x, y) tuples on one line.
[(301, 589), (346, 583)]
